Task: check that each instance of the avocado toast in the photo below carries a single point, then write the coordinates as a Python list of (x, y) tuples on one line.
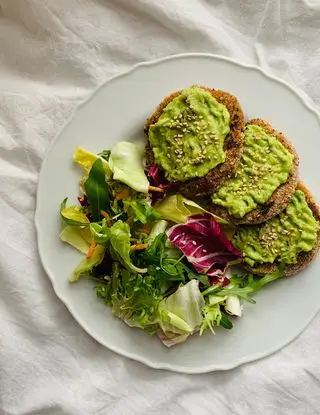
[(195, 136), (164, 263), (265, 179), (291, 238)]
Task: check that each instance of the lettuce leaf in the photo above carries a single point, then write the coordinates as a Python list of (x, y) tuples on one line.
[(79, 238), (204, 244), (126, 163), (158, 228), (100, 232), (173, 208), (87, 264), (177, 209), (73, 215), (86, 159), (141, 210), (120, 246), (180, 314)]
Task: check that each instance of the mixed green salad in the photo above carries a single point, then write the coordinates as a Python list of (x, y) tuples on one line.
[(160, 261)]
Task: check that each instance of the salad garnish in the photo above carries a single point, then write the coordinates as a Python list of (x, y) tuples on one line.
[(163, 263)]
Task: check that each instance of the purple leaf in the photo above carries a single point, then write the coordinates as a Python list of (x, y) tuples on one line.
[(83, 201), (205, 246), (156, 178)]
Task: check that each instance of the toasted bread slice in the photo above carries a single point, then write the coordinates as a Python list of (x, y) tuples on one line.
[(233, 145), (280, 197), (304, 258)]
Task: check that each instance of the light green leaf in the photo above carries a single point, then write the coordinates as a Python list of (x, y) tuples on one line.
[(177, 322), (141, 210), (87, 264), (79, 238), (134, 298), (177, 208), (86, 159), (173, 208), (158, 228), (181, 312), (195, 209), (100, 233), (126, 163), (120, 246), (73, 215), (211, 316)]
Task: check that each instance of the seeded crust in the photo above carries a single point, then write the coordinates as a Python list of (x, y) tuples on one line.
[(280, 197), (304, 258), (233, 146)]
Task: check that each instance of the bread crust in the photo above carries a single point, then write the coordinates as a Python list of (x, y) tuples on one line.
[(233, 146)]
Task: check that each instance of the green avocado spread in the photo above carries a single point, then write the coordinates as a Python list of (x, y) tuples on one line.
[(188, 138), (282, 238), (264, 166)]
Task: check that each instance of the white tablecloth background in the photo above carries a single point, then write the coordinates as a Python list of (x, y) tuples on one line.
[(52, 55)]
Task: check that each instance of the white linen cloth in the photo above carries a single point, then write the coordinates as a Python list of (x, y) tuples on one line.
[(53, 54)]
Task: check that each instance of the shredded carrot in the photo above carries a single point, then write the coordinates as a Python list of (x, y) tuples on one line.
[(91, 249), (106, 216), (139, 247), (125, 193), (156, 189)]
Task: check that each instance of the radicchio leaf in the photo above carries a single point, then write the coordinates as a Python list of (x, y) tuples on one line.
[(205, 246), (156, 178)]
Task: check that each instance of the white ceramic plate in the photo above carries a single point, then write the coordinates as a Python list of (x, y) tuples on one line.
[(117, 111)]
